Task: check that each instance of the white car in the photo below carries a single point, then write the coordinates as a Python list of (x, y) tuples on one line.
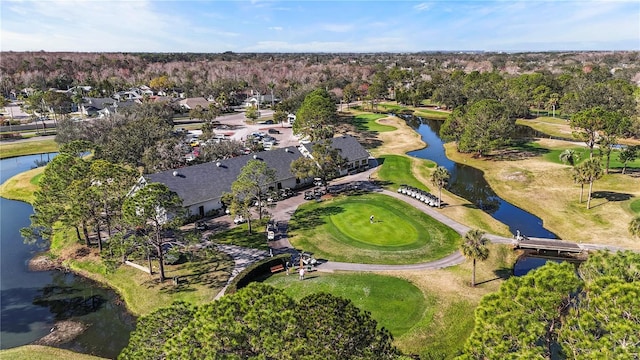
[(239, 220), (271, 235)]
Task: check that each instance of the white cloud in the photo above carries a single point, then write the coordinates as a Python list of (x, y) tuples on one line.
[(423, 6), (276, 28), (87, 26), (338, 28)]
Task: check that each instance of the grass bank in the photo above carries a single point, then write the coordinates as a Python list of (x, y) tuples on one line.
[(545, 188), (22, 186), (200, 279), (559, 128), (442, 332), (8, 150), (37, 352)]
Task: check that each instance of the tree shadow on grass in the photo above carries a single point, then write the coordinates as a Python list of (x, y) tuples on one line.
[(611, 196), (313, 218), (519, 152), (501, 274)]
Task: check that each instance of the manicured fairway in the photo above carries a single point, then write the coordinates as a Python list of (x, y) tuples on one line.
[(394, 303), (397, 170), (339, 229), (367, 122)]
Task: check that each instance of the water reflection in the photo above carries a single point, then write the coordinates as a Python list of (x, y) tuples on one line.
[(469, 182), (32, 302)]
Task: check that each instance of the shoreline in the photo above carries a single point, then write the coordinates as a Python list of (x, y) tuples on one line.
[(62, 332)]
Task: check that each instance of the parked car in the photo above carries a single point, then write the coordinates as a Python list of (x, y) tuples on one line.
[(274, 131), (201, 225), (239, 220), (271, 235), (309, 195)]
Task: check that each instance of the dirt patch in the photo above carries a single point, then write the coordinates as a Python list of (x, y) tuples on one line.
[(43, 263), (62, 332), (518, 176)]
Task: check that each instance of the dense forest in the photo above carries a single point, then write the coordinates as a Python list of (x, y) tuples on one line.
[(211, 74)]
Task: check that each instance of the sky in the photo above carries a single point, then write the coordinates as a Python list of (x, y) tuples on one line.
[(318, 26)]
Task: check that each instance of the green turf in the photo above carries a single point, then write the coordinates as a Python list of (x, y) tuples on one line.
[(635, 206), (362, 231), (583, 153), (554, 155), (396, 304), (367, 122), (240, 235), (8, 150), (396, 170), (339, 229)]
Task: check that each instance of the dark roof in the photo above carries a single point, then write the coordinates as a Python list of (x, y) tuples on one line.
[(348, 145), (199, 183)]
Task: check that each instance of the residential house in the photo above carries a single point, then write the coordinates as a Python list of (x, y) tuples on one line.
[(191, 103), (117, 106), (91, 106), (260, 100), (357, 156), (291, 118), (201, 186), (133, 94)]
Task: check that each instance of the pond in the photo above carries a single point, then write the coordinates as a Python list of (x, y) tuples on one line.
[(32, 302), (469, 183)]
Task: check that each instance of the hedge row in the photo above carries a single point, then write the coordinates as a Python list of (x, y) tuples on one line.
[(256, 271)]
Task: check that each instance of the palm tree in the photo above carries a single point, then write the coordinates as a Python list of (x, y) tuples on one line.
[(579, 177), (271, 85), (592, 171), (475, 247), (440, 178), (634, 227), (569, 156)]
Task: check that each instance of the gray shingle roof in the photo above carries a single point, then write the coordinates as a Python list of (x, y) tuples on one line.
[(349, 147), (199, 183)]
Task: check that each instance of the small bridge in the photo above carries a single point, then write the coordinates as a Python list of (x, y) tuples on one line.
[(538, 244)]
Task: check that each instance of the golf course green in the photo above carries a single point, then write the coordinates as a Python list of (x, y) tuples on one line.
[(394, 303), (341, 229)]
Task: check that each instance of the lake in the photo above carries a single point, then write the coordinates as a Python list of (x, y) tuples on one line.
[(32, 302)]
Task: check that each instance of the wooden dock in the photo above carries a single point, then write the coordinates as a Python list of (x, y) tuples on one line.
[(547, 245)]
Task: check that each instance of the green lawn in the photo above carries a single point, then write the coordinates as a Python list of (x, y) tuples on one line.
[(339, 229), (635, 206), (396, 304), (8, 150), (37, 352), (417, 111), (240, 236), (553, 155), (367, 122), (396, 170)]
